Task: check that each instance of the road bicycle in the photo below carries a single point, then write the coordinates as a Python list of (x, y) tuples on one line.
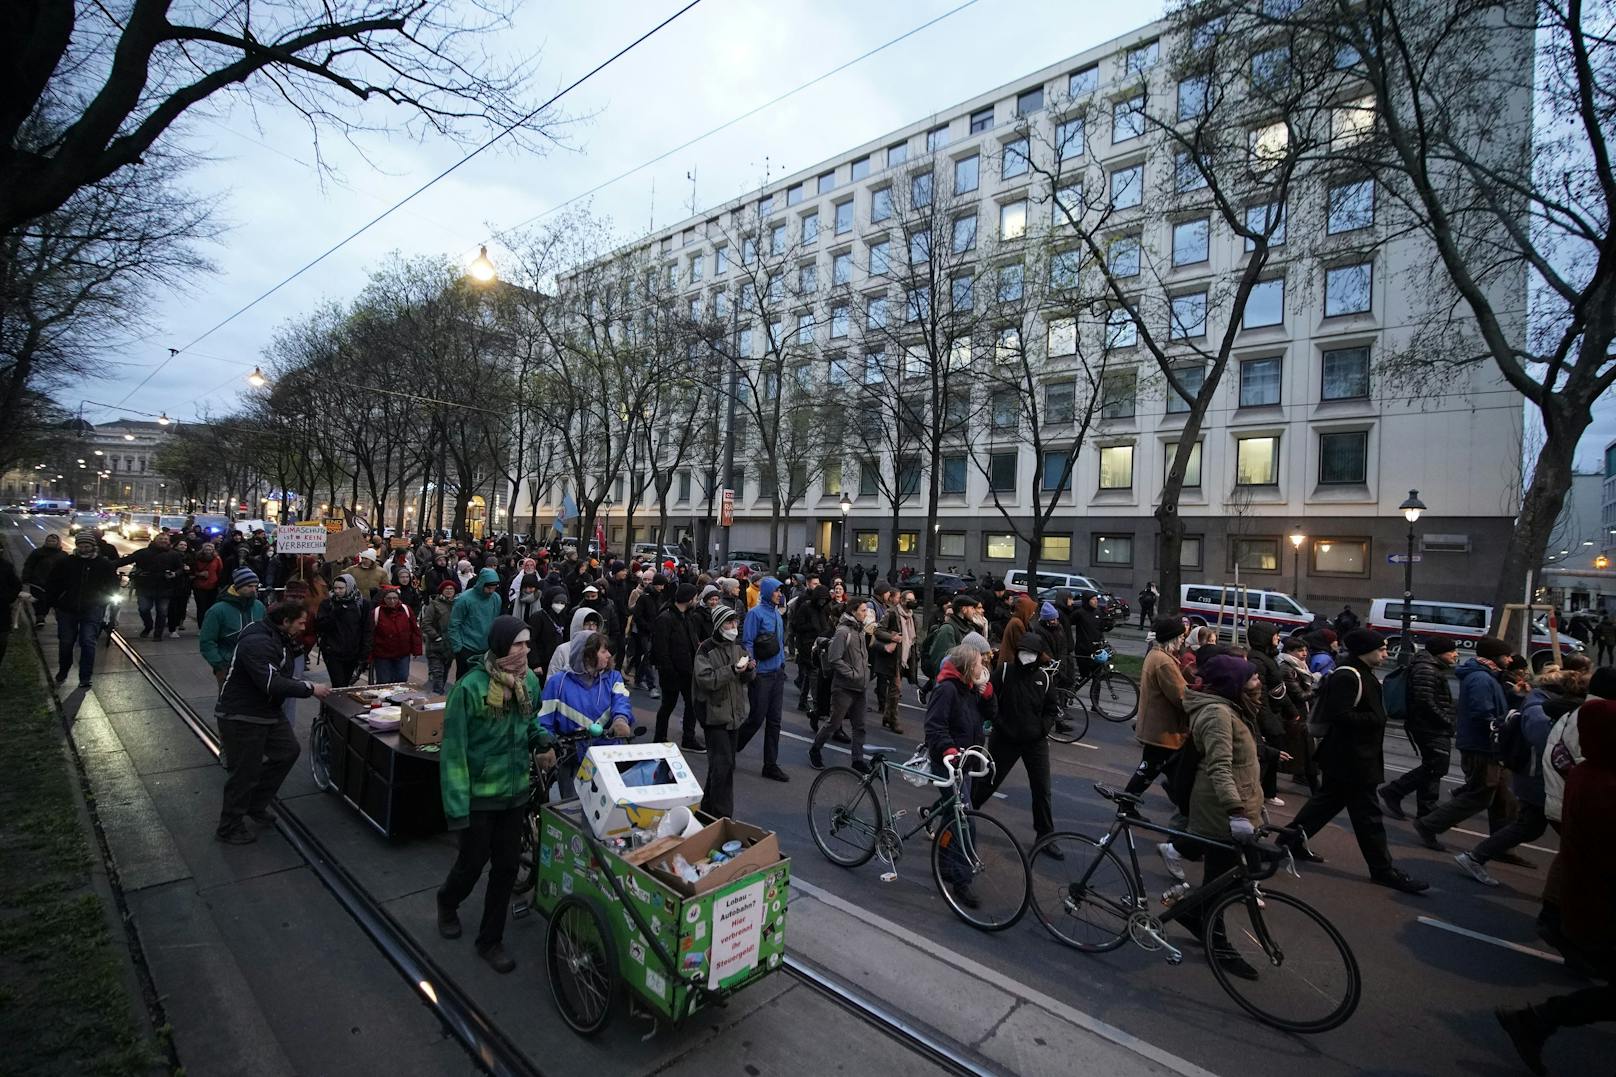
[(1073, 725), (1113, 695), (1274, 954), (979, 866)]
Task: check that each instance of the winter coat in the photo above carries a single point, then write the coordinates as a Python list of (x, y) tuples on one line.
[(1352, 749), (1028, 705), (435, 627), (1565, 740), (260, 678), (80, 585), (1228, 779), (155, 570), (1481, 702), (953, 716), (473, 615), (1588, 831), (674, 638), (848, 656), (573, 699), (344, 627), (561, 657), (1535, 725), (719, 685), (884, 663), (1163, 721), (646, 610), (222, 627), (1430, 700), (546, 630), (809, 621), (369, 579), (37, 566), (205, 573), (394, 633), (484, 761), (1278, 712), (765, 617)]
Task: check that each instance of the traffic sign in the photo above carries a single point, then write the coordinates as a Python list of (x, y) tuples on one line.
[(1401, 558)]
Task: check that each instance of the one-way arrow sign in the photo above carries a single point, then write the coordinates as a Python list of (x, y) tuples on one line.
[(1400, 558)]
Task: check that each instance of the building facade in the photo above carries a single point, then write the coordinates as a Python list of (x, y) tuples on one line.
[(1304, 436), (118, 469)]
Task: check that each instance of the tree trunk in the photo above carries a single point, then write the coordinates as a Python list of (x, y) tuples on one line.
[(892, 543), (1564, 423), (1170, 526)]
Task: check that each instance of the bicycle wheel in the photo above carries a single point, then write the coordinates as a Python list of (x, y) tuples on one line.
[(1114, 696), (1284, 963), (844, 816), (1085, 900), (1076, 717), (320, 755), (529, 855), (581, 958), (981, 871)]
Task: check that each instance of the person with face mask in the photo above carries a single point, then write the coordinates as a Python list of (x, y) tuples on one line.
[(723, 672), (395, 637), (36, 570), (548, 627), (587, 691), (763, 635), (490, 730), (848, 659), (206, 577), (674, 640), (465, 574), (474, 612), (226, 619), (156, 568), (78, 589), (343, 625), (435, 636), (1027, 709), (582, 622)]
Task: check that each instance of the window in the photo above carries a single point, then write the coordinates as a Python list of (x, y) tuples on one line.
[(1192, 97), (1259, 382), (962, 292), (1255, 554), (1082, 82), (1347, 289), (827, 182), (917, 304), (748, 250), (683, 491), (1192, 378), (936, 138), (1266, 219), (720, 261), (844, 217), (880, 258), (1343, 458), (777, 239), (839, 321), (873, 374), (841, 267), (695, 308), (1190, 241), (919, 248), (1120, 330), (880, 205), (897, 153), (1351, 206), (1352, 123), (1002, 472), (860, 169), (1054, 470), (1270, 67), (1013, 220), (966, 171), (1015, 159), (1142, 57), (1265, 305), (1256, 461), (1124, 256), (1116, 467), (1113, 550), (1029, 101), (793, 195), (738, 482), (766, 482), (1119, 394), (999, 547), (807, 279), (1346, 374), (1128, 119), (838, 365), (1004, 410), (908, 542), (964, 237), (1060, 401), (1064, 269), (1192, 466), (1062, 336), (867, 541), (1010, 283), (696, 263), (1128, 187), (1187, 318), (869, 478), (1069, 139), (1188, 175), (810, 227), (914, 363), (1347, 557), (1066, 205), (981, 119), (1268, 144), (952, 480), (951, 544), (920, 190), (877, 313), (805, 329), (909, 476), (1189, 552), (1056, 549), (830, 480)]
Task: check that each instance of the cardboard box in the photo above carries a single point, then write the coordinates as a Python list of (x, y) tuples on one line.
[(421, 721), (623, 787), (760, 850)]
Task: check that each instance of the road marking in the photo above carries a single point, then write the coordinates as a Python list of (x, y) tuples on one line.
[(1014, 988), (1077, 744), (1430, 921), (1478, 834)]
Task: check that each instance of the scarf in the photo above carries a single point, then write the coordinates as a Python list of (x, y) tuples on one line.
[(906, 633), (507, 682)]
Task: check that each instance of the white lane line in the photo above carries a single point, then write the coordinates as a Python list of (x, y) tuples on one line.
[(1429, 921), (1478, 834), (1078, 744), (30, 542), (1012, 987), (833, 746)]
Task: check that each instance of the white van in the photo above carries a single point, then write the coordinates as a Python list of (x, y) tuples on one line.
[(1463, 622), (1201, 603), (1016, 580)]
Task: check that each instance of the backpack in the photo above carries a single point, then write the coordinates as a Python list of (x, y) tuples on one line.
[(816, 654), (1316, 728), (1394, 692), (927, 666), (1511, 746)]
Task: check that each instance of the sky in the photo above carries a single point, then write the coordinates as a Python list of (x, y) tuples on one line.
[(721, 59)]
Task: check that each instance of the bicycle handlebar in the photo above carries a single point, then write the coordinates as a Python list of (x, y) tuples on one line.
[(951, 763)]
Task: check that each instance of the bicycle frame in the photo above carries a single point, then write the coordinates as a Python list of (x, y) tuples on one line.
[(948, 798), (1240, 874)]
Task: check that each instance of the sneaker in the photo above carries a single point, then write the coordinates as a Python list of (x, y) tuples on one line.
[(816, 760), (176, 631), (841, 736), (861, 766), (1397, 879), (1274, 802), (500, 961), (1476, 869), (776, 774), (1301, 851), (1428, 837), (1063, 727), (1054, 851), (61, 678), (656, 693), (1392, 806), (235, 834), (145, 633), (1527, 1036), (693, 744), (448, 923), (963, 895), (1172, 859), (264, 816)]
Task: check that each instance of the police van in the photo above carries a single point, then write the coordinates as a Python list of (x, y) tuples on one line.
[(1463, 622), (1202, 603), (1016, 580)]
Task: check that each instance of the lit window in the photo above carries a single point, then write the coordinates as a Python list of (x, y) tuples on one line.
[(964, 234), (1260, 381), (1343, 458), (999, 547), (1259, 554), (844, 217), (1029, 101), (1128, 119), (1351, 207), (1192, 378), (1015, 159), (1056, 549), (1345, 374), (1013, 220), (1256, 461), (1062, 336), (880, 205), (1268, 144), (1188, 317), (1346, 556), (1113, 549), (1082, 82), (866, 541), (1265, 305), (966, 174), (1116, 467), (1120, 330), (1352, 123), (1123, 256), (1128, 187), (1190, 242), (1347, 289), (1192, 466), (1268, 219)]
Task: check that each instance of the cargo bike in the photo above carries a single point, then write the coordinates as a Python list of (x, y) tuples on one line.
[(616, 922)]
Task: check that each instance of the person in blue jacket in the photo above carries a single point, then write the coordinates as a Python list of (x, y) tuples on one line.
[(763, 635), (1481, 703), (470, 619), (588, 691)]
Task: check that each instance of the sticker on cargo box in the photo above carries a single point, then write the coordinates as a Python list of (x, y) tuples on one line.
[(566, 884), (636, 950), (656, 983), (737, 932), (700, 932), (693, 913), (693, 960)]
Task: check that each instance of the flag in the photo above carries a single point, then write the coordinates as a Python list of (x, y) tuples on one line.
[(568, 513)]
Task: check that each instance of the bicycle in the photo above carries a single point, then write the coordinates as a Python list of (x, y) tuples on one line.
[(1074, 712), (1267, 949), (1113, 695), (978, 865)]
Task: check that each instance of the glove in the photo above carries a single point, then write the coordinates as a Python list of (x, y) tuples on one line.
[(1241, 829), (621, 728), (546, 759)]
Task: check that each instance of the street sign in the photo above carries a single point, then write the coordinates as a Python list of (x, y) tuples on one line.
[(1401, 558), (726, 513), (300, 538)]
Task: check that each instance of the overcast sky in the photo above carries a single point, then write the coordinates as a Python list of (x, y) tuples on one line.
[(721, 59)]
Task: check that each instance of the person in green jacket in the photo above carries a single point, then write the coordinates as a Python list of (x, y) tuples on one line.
[(490, 729), (237, 608), (472, 617)]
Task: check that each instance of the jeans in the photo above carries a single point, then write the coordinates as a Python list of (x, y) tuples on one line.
[(718, 795), (1425, 780), (1529, 825), (153, 607), (258, 755), (1034, 755), (489, 836), (1151, 764), (390, 670), (845, 703), (77, 632), (768, 694), (1483, 788), (1368, 825), (437, 672), (645, 671)]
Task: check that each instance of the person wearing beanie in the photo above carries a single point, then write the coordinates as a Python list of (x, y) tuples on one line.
[(343, 625), (369, 576), (548, 626), (724, 672), (1277, 712), (395, 638), (643, 613), (763, 636), (674, 638), (489, 733), (1481, 703), (1028, 706), (526, 600), (1428, 723), (1350, 720), (1163, 723), (234, 610), (435, 617), (848, 659), (156, 568)]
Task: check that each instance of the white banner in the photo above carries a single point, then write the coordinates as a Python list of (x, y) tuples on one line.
[(301, 538)]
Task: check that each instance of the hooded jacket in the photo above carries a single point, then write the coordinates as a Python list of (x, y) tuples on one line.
[(765, 617), (953, 715), (674, 638), (547, 630), (435, 626), (473, 615), (369, 576), (80, 585), (260, 676), (1163, 721), (394, 632), (1353, 747), (809, 619), (225, 621), (561, 657), (575, 697), (1481, 702), (343, 625), (1228, 780), (1028, 706), (716, 682), (484, 762), (848, 656)]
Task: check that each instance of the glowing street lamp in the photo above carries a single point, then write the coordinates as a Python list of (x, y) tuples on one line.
[(481, 268), (1297, 538), (1411, 508), (256, 379)]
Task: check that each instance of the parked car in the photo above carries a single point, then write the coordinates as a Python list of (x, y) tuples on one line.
[(1463, 622), (1016, 580), (1205, 604), (649, 551), (1113, 610)]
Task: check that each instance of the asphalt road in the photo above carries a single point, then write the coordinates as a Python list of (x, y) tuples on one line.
[(1433, 966)]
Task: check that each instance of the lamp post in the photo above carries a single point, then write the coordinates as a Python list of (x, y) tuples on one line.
[(847, 507), (1297, 538), (1411, 509)]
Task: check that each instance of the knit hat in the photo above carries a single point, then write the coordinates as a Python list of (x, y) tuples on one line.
[(1032, 641), (448, 585), (722, 616), (977, 640), (1362, 641), (615, 566), (1492, 648), (1441, 645), (684, 593), (1048, 612), (503, 633), (530, 579), (367, 554), (710, 590), (1603, 683), (1226, 676), (1167, 629), (241, 577), (1261, 635)]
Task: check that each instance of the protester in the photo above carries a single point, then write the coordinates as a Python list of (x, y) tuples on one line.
[(78, 589), (763, 636), (1482, 703), (207, 575), (723, 672), (849, 661), (1163, 724), (475, 609), (584, 622), (227, 618), (11, 608), (395, 637), (954, 722), (36, 570), (1428, 723), (368, 575), (1301, 684), (587, 692), (547, 626), (435, 636), (179, 595), (810, 622), (156, 568), (343, 625), (1027, 706), (407, 592)]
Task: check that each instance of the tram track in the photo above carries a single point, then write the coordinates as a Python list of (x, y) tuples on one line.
[(452, 1005)]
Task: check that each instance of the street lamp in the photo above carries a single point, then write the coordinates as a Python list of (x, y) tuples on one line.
[(1411, 509), (163, 419), (481, 268), (1297, 538), (846, 506), (256, 379)]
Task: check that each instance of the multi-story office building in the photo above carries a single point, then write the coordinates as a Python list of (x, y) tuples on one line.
[(120, 468), (1304, 436)]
